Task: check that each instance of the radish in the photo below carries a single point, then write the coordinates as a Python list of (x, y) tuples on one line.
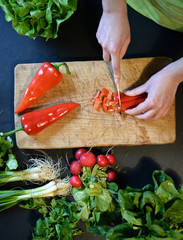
[(79, 152), (102, 160), (75, 167), (111, 159), (88, 159), (75, 181), (112, 176)]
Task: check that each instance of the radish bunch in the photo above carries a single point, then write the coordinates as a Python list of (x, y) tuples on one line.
[(87, 159)]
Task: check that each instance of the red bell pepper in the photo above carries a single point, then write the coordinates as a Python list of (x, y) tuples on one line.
[(46, 77), (130, 104), (34, 122), (109, 101), (125, 98)]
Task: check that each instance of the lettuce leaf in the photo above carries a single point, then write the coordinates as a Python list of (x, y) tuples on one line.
[(35, 18)]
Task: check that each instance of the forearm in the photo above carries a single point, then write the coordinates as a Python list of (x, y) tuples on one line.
[(114, 6), (175, 71)]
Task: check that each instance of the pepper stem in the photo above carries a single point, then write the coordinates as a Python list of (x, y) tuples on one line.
[(62, 63), (14, 131)]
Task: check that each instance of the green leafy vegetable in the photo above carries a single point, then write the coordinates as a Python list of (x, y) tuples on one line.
[(7, 158), (153, 212), (60, 221), (96, 196), (38, 17)]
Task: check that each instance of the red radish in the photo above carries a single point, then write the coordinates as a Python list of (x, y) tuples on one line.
[(102, 160), (88, 159), (75, 181), (75, 167), (111, 159), (112, 175), (79, 152)]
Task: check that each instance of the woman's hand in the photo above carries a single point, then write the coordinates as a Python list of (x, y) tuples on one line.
[(161, 89), (113, 33)]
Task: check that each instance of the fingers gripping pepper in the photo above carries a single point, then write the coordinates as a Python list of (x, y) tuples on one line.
[(46, 77), (34, 122)]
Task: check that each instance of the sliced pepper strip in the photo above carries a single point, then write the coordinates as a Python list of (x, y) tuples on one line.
[(109, 100), (104, 104), (97, 102), (130, 104)]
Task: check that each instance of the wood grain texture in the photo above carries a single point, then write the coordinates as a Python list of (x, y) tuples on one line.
[(84, 126)]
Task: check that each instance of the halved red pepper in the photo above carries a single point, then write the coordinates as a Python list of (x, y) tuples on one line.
[(125, 98), (46, 77), (34, 122), (130, 104)]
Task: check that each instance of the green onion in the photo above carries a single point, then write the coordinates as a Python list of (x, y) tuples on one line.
[(40, 170), (58, 187)]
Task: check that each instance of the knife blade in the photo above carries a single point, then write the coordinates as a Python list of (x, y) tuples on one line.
[(116, 85), (119, 98)]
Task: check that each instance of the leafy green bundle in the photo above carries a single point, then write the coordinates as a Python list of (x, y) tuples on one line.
[(60, 220), (153, 212), (38, 17), (7, 158), (96, 198)]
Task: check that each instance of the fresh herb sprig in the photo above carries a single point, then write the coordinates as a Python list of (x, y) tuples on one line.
[(7, 158), (60, 221)]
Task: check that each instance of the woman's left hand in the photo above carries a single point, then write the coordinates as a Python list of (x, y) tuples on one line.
[(161, 89)]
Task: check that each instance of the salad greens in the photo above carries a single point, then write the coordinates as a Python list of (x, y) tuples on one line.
[(38, 17), (7, 158), (60, 221), (153, 212), (96, 197)]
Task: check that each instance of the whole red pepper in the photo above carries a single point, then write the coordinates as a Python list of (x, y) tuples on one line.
[(34, 122), (46, 77)]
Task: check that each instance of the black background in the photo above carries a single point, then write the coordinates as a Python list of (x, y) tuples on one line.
[(77, 42)]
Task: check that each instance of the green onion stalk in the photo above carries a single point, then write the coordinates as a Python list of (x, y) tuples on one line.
[(40, 170), (58, 187)]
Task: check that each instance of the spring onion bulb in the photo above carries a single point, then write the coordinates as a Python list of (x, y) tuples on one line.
[(58, 187), (40, 170)]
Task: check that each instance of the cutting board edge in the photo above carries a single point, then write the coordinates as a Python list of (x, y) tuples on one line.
[(101, 145)]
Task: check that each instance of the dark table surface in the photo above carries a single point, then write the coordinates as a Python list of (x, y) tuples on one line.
[(77, 42)]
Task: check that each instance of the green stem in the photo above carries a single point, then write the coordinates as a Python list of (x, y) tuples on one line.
[(62, 63), (21, 128)]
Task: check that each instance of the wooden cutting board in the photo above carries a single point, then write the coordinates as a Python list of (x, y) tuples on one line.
[(85, 127)]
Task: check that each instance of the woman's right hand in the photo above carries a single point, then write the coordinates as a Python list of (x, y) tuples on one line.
[(113, 33)]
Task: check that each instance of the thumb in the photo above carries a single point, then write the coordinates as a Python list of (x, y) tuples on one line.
[(137, 91)]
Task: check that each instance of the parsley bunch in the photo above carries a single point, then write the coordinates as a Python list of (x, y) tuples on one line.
[(7, 158)]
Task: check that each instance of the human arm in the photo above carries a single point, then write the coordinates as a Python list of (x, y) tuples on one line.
[(161, 89), (113, 33)]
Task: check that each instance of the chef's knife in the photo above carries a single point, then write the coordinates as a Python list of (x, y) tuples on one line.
[(116, 85), (119, 98)]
